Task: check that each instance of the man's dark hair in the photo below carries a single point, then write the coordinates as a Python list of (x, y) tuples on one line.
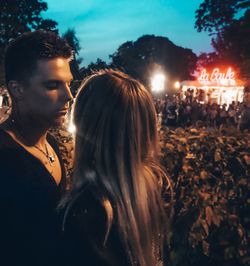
[(23, 53)]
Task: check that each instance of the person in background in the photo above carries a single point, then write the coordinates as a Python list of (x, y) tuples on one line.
[(244, 121), (114, 212), (232, 114), (32, 175), (223, 115)]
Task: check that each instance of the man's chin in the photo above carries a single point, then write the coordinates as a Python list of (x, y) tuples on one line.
[(59, 121)]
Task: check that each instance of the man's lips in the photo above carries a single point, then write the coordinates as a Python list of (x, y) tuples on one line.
[(63, 111)]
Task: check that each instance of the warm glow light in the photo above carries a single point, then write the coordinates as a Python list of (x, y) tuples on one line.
[(69, 124), (177, 85), (227, 78), (158, 82), (229, 96), (71, 127)]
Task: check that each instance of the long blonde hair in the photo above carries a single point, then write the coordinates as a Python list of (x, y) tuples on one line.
[(116, 138)]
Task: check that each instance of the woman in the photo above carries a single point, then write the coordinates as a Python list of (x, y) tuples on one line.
[(114, 212)]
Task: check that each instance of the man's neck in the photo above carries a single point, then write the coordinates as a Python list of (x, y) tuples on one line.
[(27, 133)]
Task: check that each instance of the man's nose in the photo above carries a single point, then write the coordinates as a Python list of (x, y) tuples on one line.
[(67, 95)]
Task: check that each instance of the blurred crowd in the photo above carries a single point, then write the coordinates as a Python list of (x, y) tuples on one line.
[(4, 98), (4, 103), (175, 112)]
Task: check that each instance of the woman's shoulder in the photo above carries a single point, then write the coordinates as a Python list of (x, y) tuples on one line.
[(86, 231), (84, 213), (88, 205)]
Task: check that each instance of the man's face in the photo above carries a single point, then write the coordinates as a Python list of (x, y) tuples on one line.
[(47, 95)]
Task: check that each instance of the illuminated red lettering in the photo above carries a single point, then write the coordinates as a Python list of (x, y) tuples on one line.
[(217, 77)]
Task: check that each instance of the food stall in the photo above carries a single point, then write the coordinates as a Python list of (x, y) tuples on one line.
[(214, 87)]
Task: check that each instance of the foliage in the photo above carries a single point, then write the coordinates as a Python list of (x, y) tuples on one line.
[(150, 53), (17, 17), (70, 36), (98, 65), (214, 15), (93, 67), (210, 173), (229, 22), (234, 43), (207, 60)]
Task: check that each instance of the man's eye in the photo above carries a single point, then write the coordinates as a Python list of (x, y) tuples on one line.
[(51, 85)]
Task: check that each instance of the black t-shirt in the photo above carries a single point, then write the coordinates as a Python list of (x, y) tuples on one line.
[(29, 226)]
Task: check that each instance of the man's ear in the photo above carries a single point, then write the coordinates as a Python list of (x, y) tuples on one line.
[(15, 89)]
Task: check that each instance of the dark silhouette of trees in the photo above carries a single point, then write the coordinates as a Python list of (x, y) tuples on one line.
[(70, 36), (93, 67), (214, 15), (228, 21), (19, 16), (83, 72), (98, 65), (150, 53), (234, 43)]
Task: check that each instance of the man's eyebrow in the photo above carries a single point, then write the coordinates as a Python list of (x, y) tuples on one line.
[(58, 80), (51, 80)]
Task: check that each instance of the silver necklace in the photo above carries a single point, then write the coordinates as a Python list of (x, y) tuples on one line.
[(50, 157)]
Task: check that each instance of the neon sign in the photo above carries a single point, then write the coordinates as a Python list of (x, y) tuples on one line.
[(227, 78)]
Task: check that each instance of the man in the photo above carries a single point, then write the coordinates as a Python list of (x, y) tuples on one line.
[(31, 171)]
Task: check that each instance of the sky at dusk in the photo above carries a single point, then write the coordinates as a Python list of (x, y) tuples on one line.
[(103, 25)]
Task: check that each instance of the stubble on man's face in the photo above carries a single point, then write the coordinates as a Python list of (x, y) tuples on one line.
[(47, 94)]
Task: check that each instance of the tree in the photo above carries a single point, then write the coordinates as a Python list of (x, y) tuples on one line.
[(228, 21), (150, 53), (207, 60), (70, 36), (19, 16), (234, 43), (93, 67), (214, 15)]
